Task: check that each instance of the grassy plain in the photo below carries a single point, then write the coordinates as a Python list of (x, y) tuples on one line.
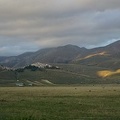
[(98, 102)]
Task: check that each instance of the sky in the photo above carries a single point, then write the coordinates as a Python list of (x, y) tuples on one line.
[(30, 25)]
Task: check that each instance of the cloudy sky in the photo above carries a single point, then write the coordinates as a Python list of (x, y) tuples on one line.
[(29, 25)]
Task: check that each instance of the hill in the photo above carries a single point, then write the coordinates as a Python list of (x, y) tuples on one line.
[(67, 74), (76, 66), (63, 54), (107, 56)]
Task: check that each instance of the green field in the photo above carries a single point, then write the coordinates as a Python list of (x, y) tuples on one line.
[(98, 102)]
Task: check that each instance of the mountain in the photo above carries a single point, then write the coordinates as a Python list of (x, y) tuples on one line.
[(62, 54), (111, 49), (107, 56), (76, 66)]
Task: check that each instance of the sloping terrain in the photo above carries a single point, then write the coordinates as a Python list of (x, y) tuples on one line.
[(63, 54), (77, 66), (108, 56), (67, 74)]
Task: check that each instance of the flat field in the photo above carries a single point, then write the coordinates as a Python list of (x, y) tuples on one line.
[(98, 102)]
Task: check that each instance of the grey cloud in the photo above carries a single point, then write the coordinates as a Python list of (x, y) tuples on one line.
[(34, 24)]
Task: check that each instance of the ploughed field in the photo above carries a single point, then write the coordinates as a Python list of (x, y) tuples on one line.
[(89, 102)]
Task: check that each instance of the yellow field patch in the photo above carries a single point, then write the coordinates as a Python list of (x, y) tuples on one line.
[(107, 73)]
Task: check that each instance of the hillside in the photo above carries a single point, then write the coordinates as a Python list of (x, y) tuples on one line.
[(76, 66), (63, 54), (67, 74), (41, 77), (107, 56)]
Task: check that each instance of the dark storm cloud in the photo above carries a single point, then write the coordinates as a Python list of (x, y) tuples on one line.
[(27, 25)]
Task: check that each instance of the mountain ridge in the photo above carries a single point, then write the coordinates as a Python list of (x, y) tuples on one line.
[(67, 54)]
